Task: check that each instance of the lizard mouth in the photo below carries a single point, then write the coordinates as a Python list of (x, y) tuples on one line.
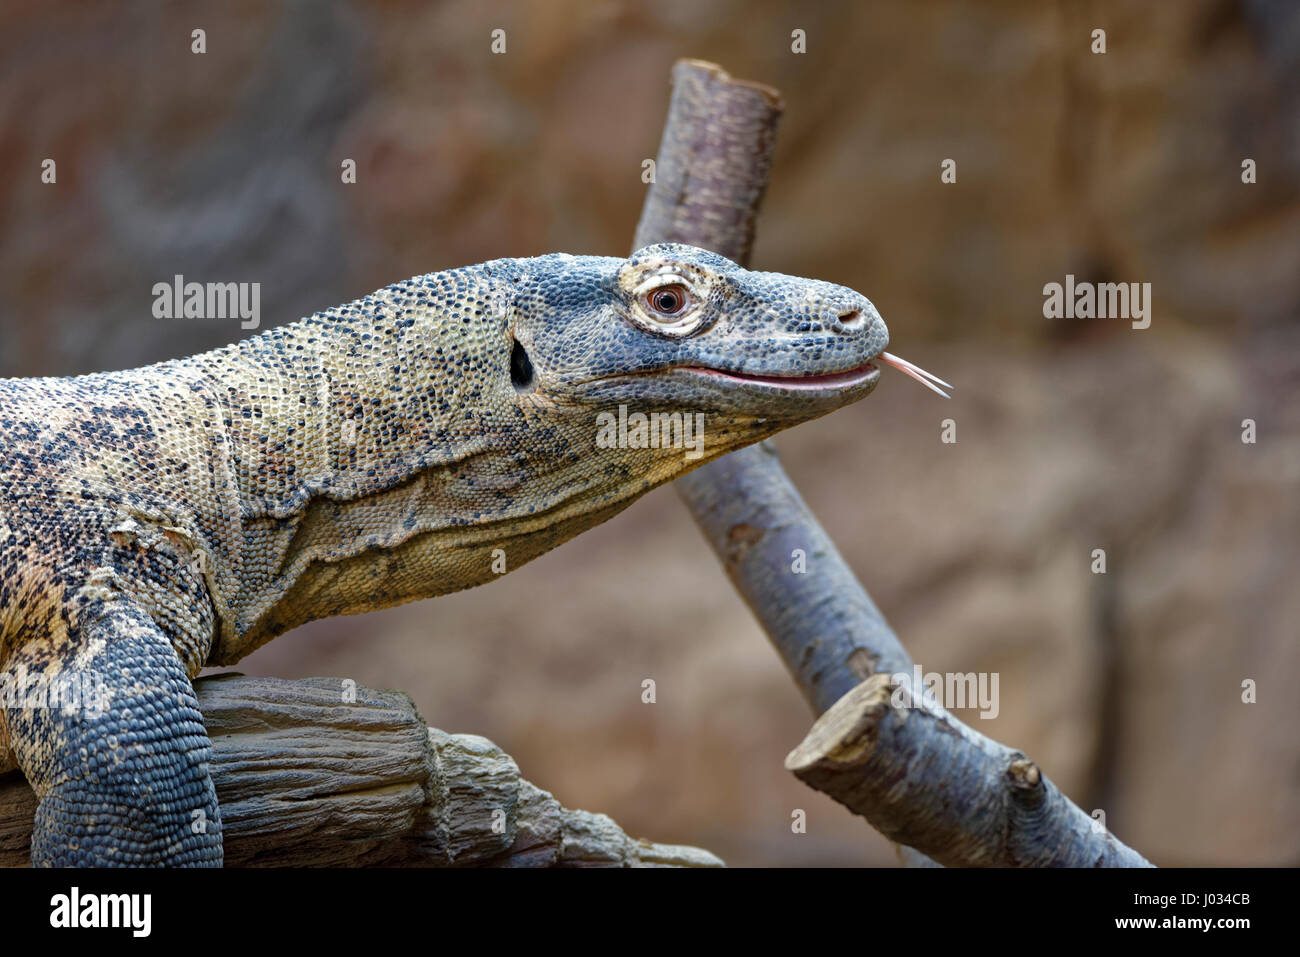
[(867, 372)]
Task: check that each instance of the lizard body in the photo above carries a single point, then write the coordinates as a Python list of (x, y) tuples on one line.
[(160, 519)]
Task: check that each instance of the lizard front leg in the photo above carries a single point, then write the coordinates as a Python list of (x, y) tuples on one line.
[(116, 752)]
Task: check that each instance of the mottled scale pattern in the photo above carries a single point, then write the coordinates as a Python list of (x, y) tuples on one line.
[(156, 520)]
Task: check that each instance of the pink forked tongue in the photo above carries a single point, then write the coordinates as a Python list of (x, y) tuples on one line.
[(916, 372)]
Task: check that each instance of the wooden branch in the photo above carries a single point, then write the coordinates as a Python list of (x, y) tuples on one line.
[(714, 159), (320, 772), (881, 749), (710, 175)]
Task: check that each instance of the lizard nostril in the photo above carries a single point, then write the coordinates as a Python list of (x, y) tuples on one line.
[(850, 319)]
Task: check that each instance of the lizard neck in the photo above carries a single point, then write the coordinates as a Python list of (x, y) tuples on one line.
[(350, 402)]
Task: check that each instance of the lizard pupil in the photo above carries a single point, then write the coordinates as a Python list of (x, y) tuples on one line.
[(521, 368), (669, 300)]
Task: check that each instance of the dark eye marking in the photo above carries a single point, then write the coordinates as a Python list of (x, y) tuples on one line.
[(668, 300)]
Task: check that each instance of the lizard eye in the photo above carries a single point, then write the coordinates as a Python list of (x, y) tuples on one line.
[(668, 301), (665, 304)]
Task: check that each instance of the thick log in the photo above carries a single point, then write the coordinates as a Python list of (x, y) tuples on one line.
[(321, 772)]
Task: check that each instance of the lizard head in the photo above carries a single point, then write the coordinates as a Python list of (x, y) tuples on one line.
[(674, 328)]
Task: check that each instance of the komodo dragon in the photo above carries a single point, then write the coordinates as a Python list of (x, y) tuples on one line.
[(161, 519)]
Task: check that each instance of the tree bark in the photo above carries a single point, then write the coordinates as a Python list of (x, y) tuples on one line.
[(321, 772)]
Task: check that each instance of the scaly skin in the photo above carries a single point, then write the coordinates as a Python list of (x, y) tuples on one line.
[(157, 520)]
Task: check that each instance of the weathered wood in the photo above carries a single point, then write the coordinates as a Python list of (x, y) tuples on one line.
[(881, 749), (710, 175), (321, 772), (714, 158)]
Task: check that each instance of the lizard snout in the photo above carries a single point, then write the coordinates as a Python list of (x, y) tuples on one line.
[(824, 307), (849, 316)]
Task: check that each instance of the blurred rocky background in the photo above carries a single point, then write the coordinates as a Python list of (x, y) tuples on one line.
[(1071, 434)]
